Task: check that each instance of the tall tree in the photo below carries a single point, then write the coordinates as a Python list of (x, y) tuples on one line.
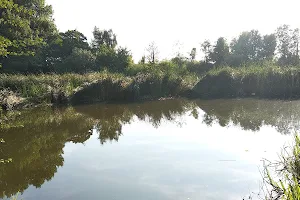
[(268, 47), (42, 20), (193, 54), (73, 39), (206, 49), (295, 46), (220, 52), (153, 52), (143, 60), (288, 45), (104, 37), (39, 27), (247, 46), (17, 37)]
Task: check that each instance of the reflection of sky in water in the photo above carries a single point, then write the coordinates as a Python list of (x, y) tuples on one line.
[(191, 161)]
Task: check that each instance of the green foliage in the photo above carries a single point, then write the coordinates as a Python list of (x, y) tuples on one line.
[(206, 48), (79, 61), (288, 45), (287, 187), (42, 20), (113, 60), (251, 47), (55, 88), (29, 25), (104, 38), (269, 44), (220, 52), (193, 54), (70, 40), (248, 46), (17, 37)]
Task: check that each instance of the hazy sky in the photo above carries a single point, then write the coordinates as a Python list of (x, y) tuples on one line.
[(138, 22)]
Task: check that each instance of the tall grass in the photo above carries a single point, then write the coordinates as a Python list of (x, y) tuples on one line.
[(282, 179), (40, 87), (148, 80), (268, 81)]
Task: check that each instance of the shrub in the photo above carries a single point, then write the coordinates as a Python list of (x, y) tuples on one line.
[(80, 61)]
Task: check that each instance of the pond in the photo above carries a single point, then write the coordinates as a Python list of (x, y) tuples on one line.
[(159, 150)]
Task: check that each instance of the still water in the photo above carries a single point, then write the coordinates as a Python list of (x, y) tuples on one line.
[(159, 150)]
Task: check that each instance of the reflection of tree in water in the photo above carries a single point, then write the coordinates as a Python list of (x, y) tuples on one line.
[(251, 114), (37, 148), (157, 111), (111, 117)]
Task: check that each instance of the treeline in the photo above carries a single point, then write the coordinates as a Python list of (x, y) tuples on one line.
[(31, 43), (281, 47)]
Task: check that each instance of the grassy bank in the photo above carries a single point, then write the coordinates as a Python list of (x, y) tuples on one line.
[(140, 82), (265, 81), (100, 86)]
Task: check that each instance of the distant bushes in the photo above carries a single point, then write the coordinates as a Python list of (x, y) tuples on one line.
[(262, 81)]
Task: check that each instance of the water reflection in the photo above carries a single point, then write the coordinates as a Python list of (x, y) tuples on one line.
[(110, 117), (37, 147), (252, 114)]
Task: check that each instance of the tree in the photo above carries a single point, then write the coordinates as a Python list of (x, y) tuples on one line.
[(206, 48), (255, 44), (153, 53), (268, 47), (32, 39), (295, 46), (247, 46), (73, 39), (193, 54), (123, 59), (143, 60), (220, 52), (42, 20), (80, 60), (105, 57), (104, 37), (17, 37), (288, 45)]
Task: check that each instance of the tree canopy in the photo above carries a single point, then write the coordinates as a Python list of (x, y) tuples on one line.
[(17, 36)]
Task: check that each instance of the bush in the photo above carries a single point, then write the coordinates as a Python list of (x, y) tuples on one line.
[(80, 61), (199, 67), (113, 60)]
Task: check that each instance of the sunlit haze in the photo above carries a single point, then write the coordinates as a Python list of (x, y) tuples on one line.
[(189, 22)]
